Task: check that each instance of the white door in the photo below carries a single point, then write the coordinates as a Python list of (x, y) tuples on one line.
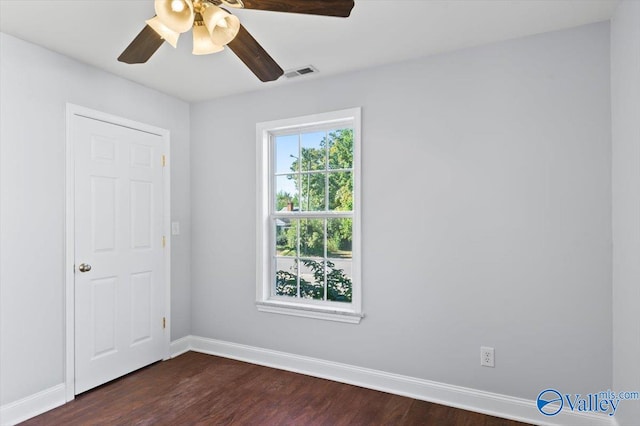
[(119, 256)]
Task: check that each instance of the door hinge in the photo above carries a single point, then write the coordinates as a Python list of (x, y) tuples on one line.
[(164, 322), (164, 160), (164, 241)]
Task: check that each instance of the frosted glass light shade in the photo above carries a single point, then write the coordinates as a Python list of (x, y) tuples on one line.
[(222, 26), (202, 43), (163, 31), (172, 17)]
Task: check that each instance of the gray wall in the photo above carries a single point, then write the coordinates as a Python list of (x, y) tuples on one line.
[(625, 106), (486, 216), (36, 84)]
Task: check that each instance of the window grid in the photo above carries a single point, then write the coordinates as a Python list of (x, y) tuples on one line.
[(308, 214)]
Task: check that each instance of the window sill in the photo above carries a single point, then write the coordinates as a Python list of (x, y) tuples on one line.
[(324, 313)]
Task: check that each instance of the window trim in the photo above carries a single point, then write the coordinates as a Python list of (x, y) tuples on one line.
[(265, 302)]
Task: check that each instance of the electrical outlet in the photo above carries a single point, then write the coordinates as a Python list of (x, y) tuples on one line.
[(487, 356)]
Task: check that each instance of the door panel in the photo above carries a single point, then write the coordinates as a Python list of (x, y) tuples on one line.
[(103, 315), (119, 303), (141, 301), (141, 214), (103, 211)]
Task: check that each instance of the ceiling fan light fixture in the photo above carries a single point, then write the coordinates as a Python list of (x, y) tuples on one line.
[(177, 15), (163, 31), (202, 43), (223, 29), (222, 26)]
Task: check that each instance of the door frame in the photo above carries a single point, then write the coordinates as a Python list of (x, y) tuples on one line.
[(73, 110)]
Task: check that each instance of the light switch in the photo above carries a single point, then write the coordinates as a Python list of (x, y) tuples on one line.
[(175, 228)]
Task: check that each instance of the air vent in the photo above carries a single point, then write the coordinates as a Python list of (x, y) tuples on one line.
[(297, 72)]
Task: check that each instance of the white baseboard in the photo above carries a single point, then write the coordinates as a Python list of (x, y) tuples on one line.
[(180, 346), (33, 405), (493, 404)]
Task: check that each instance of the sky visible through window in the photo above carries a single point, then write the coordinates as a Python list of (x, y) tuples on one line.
[(288, 151)]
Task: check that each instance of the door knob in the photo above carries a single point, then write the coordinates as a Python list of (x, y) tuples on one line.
[(84, 267)]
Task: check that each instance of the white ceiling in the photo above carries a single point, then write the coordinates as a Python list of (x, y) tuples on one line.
[(378, 32)]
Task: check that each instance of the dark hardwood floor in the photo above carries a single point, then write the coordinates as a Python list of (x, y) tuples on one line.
[(206, 390)]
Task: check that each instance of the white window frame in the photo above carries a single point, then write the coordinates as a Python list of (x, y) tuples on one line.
[(265, 159)]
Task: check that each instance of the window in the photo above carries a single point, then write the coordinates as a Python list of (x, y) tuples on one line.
[(309, 216)]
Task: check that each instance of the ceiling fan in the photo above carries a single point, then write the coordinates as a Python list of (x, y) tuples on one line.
[(214, 27)]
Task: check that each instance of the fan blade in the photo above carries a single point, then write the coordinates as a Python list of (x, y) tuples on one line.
[(254, 56), (142, 47), (339, 8)]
